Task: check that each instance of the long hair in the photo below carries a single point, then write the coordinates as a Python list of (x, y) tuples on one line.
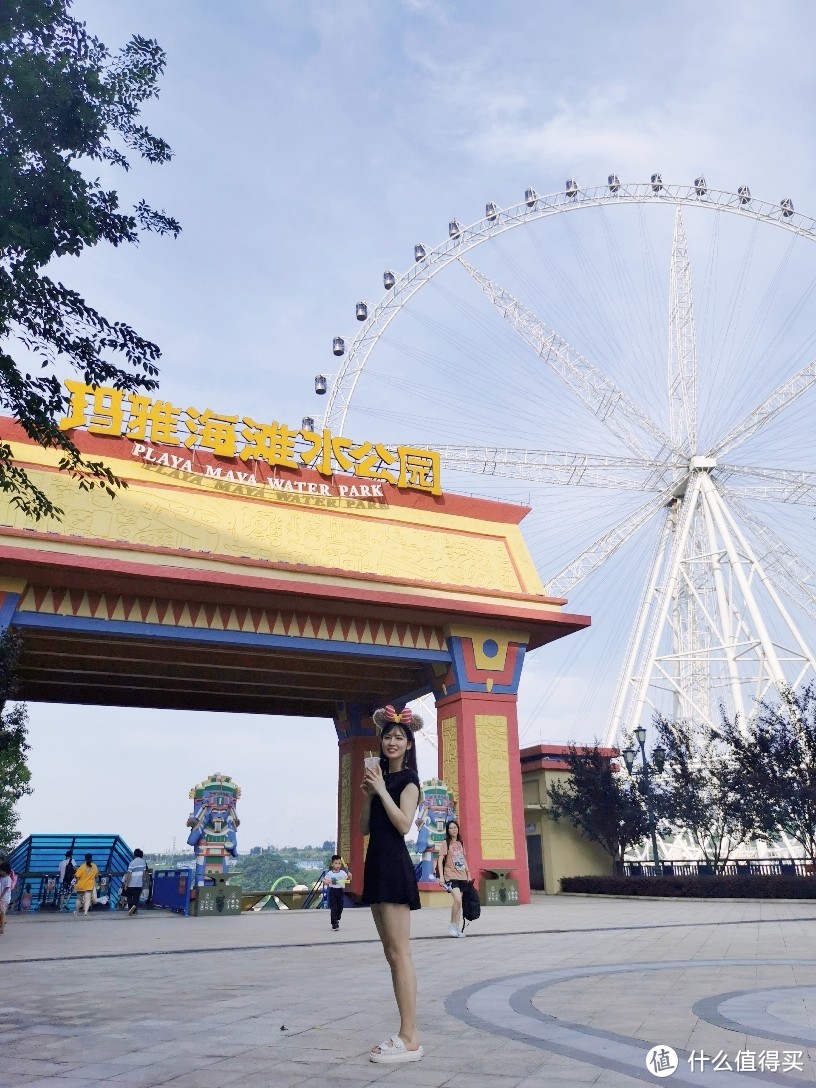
[(448, 839), (409, 760)]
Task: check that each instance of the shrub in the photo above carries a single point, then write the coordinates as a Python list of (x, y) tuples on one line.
[(695, 887)]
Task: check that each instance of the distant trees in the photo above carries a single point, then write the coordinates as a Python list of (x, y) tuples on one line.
[(774, 768), (699, 791), (607, 807), (737, 782), (15, 777), (259, 871)]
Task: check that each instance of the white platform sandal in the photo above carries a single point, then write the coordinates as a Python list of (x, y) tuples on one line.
[(393, 1050)]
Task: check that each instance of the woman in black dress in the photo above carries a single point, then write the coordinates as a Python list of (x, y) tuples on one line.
[(389, 885)]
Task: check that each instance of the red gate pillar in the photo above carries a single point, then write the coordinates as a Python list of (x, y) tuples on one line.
[(357, 738), (477, 728)]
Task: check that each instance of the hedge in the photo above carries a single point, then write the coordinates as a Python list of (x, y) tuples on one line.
[(695, 887)]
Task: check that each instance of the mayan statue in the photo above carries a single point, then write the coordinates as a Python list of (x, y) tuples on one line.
[(436, 807), (214, 824)]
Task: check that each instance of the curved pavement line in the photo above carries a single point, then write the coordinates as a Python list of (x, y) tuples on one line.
[(747, 1011), (504, 1007)]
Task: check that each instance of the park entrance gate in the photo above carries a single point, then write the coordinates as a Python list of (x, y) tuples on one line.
[(204, 585)]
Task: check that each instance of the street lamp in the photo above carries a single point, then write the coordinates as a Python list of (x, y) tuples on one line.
[(659, 757)]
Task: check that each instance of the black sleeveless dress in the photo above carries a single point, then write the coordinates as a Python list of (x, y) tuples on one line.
[(389, 873)]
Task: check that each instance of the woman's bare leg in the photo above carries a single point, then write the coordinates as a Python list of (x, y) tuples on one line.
[(393, 922), (456, 907)]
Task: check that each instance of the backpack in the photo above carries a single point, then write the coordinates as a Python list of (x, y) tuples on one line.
[(70, 871), (471, 906)]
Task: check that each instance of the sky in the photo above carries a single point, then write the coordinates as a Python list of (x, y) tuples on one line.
[(314, 144)]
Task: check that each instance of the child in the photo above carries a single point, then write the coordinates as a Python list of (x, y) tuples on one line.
[(25, 898), (5, 893), (336, 879)]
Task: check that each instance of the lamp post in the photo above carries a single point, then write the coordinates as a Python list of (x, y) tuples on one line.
[(659, 756)]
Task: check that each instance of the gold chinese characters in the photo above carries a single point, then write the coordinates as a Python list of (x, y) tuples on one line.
[(114, 412)]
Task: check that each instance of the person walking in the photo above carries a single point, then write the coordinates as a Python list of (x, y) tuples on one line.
[(85, 880), (454, 873), (135, 881), (336, 879), (25, 899), (391, 788), (5, 893), (66, 877)]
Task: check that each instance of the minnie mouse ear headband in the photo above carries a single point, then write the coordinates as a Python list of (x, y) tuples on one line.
[(387, 716)]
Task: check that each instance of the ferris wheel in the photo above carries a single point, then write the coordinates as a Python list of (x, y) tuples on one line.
[(637, 363)]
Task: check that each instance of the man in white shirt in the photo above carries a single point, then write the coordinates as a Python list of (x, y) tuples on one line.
[(67, 869), (134, 881), (5, 893)]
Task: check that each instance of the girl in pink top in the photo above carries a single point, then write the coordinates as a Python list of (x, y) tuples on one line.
[(454, 873)]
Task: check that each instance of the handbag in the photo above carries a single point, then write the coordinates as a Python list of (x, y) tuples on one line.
[(471, 904)]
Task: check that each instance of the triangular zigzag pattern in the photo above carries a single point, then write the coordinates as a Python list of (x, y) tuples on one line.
[(215, 617)]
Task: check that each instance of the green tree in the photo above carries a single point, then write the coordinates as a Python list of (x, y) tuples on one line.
[(699, 792), (607, 807), (66, 102), (774, 767), (259, 871), (15, 777)]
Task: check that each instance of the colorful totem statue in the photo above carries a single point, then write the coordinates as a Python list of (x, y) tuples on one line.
[(214, 823), (435, 809)]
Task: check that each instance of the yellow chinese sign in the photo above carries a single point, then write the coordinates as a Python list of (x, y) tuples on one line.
[(113, 412)]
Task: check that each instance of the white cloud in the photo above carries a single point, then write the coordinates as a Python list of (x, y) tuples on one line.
[(313, 148)]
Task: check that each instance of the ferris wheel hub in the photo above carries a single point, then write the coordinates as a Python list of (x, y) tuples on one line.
[(702, 464), (711, 629)]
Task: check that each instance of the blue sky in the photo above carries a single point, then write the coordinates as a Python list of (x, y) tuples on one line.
[(314, 144)]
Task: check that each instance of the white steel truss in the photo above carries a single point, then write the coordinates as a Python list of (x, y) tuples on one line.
[(713, 627), (681, 848), (682, 347), (599, 394), (465, 239)]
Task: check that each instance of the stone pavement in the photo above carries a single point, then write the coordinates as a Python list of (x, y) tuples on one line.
[(565, 991)]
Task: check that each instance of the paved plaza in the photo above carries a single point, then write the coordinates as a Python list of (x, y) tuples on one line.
[(568, 990)]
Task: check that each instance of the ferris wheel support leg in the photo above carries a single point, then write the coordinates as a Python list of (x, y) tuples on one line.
[(769, 586), (724, 526), (669, 592), (726, 611), (626, 680)]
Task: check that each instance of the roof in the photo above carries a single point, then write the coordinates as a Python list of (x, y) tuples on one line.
[(43, 853), (191, 590), (552, 757)]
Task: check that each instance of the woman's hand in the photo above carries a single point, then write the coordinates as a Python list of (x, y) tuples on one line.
[(373, 781)]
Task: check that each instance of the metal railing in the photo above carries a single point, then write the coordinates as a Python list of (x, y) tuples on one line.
[(47, 893), (766, 867)]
